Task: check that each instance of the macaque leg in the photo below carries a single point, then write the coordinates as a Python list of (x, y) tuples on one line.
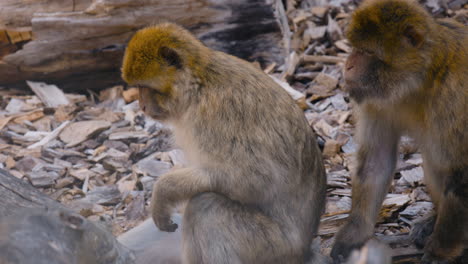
[(219, 230), (447, 240), (376, 163), (172, 188), (424, 227)]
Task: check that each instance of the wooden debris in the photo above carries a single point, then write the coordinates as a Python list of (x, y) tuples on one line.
[(314, 32), (52, 135), (78, 132), (319, 11), (334, 30), (106, 168), (332, 147), (152, 167), (128, 135), (291, 64), (297, 96), (50, 95), (412, 177), (418, 209), (130, 95), (322, 58), (14, 106), (343, 45)]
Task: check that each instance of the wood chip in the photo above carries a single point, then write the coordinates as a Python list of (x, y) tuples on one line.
[(338, 102), (326, 80), (319, 11), (296, 95), (30, 116), (396, 200), (42, 178), (152, 167), (315, 32), (14, 106), (130, 95), (104, 195), (413, 176), (332, 147), (291, 65), (50, 95), (78, 132), (128, 135), (323, 128), (333, 29), (417, 209), (81, 174), (322, 58), (52, 135), (343, 45)]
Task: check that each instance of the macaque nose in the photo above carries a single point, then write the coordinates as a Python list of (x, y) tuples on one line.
[(349, 67)]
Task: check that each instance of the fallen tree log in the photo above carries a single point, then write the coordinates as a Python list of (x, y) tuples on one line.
[(82, 49), (35, 229)]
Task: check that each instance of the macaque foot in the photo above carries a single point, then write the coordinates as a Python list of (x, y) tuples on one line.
[(422, 230), (434, 253), (429, 260), (165, 224), (349, 238), (163, 221)]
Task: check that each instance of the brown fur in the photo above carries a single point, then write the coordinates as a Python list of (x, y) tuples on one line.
[(408, 73), (255, 185)]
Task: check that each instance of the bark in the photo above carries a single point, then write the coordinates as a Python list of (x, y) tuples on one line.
[(82, 49)]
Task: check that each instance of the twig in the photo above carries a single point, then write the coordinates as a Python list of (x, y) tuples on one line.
[(50, 137)]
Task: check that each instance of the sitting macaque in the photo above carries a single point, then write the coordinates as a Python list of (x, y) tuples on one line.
[(255, 184), (408, 73)]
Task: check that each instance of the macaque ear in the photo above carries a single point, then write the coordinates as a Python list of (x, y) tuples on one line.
[(171, 57), (414, 37)]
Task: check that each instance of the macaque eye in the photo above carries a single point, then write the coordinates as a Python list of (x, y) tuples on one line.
[(365, 51), (153, 90)]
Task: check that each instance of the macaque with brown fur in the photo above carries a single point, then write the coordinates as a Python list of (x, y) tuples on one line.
[(255, 186), (408, 73)]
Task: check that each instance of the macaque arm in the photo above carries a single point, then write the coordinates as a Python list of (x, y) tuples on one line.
[(376, 164), (376, 160), (172, 188)]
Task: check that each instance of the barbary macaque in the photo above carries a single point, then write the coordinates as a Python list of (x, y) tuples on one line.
[(255, 184), (408, 73)]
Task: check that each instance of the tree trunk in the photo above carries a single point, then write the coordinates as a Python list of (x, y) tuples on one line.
[(81, 48)]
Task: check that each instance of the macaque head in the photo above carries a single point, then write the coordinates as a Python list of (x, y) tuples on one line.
[(162, 61), (389, 49)]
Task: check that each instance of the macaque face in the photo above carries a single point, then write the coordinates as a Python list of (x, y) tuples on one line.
[(154, 66), (152, 102), (361, 75)]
